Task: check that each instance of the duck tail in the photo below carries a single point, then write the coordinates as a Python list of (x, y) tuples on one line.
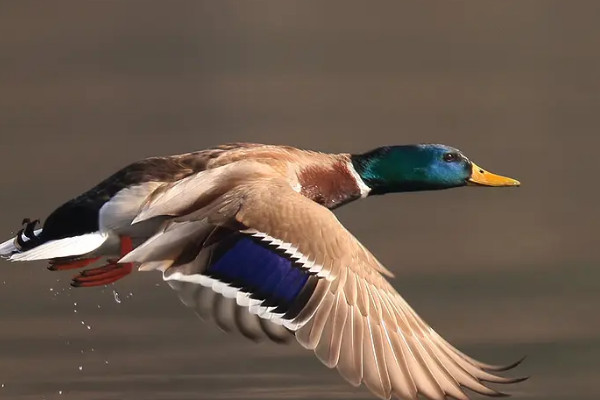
[(8, 248), (26, 239), (32, 244)]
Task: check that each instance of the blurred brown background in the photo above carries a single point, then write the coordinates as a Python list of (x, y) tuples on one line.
[(87, 87)]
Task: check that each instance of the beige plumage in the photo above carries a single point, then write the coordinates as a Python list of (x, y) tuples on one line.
[(354, 320)]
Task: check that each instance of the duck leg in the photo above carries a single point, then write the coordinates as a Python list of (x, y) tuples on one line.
[(57, 265), (108, 273)]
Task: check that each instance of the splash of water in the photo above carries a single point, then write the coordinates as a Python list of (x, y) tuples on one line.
[(116, 297)]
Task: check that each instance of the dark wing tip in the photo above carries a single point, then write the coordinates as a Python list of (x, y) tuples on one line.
[(499, 394), (519, 380), (505, 381), (505, 367)]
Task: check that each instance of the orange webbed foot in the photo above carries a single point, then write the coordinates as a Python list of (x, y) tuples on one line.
[(104, 275), (109, 273)]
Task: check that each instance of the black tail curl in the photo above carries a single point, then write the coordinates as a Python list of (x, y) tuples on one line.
[(27, 232)]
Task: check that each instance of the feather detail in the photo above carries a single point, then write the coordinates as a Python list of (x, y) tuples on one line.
[(227, 313), (118, 212)]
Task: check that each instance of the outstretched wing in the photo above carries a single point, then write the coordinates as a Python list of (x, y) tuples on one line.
[(226, 313), (290, 261)]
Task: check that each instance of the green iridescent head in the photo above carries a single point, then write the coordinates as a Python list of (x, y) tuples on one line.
[(421, 167)]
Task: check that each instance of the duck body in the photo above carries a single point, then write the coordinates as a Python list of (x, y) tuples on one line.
[(245, 234), (91, 225)]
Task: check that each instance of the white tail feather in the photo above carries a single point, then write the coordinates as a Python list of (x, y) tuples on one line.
[(67, 247), (8, 248)]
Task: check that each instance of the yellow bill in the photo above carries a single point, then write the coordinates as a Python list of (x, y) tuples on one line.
[(481, 177)]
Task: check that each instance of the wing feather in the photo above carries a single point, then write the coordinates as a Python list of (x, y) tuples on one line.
[(347, 365), (403, 385), (213, 300)]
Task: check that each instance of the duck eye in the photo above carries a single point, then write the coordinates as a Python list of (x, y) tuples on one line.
[(451, 157)]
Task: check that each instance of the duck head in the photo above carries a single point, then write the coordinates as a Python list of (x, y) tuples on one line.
[(421, 167)]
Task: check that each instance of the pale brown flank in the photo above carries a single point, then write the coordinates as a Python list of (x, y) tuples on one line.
[(329, 185)]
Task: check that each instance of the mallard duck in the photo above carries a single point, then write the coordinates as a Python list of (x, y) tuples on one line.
[(246, 234)]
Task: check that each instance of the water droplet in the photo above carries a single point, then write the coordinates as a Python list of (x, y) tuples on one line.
[(106, 362), (88, 327), (52, 289), (2, 386), (116, 296), (60, 392), (80, 368)]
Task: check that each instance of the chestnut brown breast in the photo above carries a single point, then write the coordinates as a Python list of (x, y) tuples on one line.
[(330, 186)]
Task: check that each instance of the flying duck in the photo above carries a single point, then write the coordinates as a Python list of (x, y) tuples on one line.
[(245, 234)]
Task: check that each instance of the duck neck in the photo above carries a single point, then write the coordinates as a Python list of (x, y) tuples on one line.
[(393, 169)]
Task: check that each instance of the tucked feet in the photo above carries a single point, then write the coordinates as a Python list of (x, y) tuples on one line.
[(108, 273), (104, 275)]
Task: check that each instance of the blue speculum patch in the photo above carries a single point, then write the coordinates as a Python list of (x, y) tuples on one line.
[(256, 268)]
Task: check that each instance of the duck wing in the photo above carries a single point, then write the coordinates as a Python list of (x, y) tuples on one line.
[(290, 261), (185, 251), (226, 313)]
